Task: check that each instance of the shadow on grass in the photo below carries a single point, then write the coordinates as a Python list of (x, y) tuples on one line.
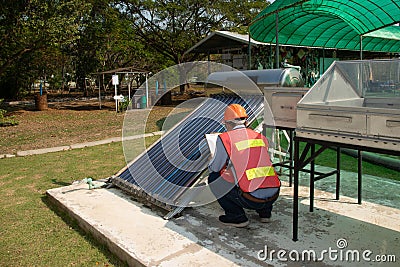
[(54, 181), (67, 104), (173, 120), (82, 107), (74, 224)]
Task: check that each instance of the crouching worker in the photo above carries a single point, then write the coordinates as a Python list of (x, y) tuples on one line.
[(241, 173)]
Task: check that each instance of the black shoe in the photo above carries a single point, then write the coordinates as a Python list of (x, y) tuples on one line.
[(233, 222), (265, 217)]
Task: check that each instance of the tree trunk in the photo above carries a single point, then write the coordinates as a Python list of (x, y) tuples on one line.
[(182, 88), (166, 99)]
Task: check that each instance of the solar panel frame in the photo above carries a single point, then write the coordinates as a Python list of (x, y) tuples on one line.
[(162, 183)]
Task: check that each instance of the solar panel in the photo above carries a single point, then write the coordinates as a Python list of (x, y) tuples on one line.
[(168, 169)]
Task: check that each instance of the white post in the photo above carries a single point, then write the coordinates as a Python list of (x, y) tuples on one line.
[(116, 101), (115, 83), (147, 93), (129, 90)]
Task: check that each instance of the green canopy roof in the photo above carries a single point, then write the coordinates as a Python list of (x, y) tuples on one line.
[(331, 24)]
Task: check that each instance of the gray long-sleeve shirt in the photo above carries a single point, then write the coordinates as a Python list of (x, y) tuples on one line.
[(221, 158)]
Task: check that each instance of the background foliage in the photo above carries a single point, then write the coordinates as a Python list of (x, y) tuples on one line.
[(60, 41)]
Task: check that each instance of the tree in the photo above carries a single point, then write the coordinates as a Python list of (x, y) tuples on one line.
[(32, 27), (108, 42), (171, 27), (52, 37)]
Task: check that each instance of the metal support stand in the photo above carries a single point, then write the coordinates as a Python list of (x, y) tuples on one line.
[(289, 164), (301, 160)]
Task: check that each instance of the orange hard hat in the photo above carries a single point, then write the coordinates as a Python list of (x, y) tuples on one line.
[(235, 111)]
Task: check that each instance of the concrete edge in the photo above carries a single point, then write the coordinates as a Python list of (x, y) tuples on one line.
[(42, 151), (100, 237), (78, 146), (127, 235), (3, 156), (95, 143)]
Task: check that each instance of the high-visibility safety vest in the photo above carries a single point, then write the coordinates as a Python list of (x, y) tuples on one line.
[(248, 152)]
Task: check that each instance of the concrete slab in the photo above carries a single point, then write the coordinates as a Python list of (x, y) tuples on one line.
[(337, 233), (131, 231)]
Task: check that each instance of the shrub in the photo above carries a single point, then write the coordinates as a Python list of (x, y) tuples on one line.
[(6, 120)]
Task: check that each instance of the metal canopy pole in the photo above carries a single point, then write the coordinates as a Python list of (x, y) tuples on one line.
[(249, 53), (277, 40)]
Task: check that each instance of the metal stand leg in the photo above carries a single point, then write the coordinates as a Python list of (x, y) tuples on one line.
[(290, 157), (296, 192), (312, 179), (359, 175), (338, 151)]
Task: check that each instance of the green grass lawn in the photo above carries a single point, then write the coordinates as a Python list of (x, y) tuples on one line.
[(33, 232), (348, 163)]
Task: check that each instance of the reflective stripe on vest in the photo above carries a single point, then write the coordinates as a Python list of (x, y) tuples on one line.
[(245, 144), (259, 172), (248, 154)]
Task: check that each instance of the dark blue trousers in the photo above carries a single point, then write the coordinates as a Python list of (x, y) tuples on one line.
[(231, 200)]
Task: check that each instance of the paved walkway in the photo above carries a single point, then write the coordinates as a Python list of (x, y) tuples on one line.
[(80, 145)]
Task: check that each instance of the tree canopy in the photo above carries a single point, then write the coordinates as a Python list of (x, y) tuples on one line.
[(173, 26), (33, 32), (69, 39)]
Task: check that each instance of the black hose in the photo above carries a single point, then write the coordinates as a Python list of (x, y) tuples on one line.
[(390, 163)]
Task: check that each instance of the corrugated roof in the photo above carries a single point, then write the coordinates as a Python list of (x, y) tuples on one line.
[(331, 24), (123, 70), (218, 40)]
